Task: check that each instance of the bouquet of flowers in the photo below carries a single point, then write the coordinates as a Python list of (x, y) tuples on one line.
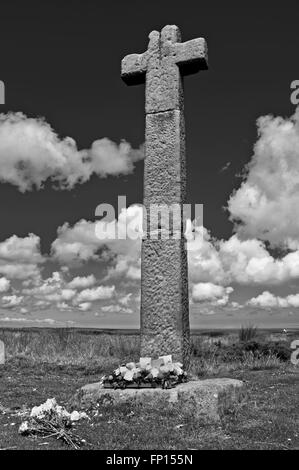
[(146, 373), (51, 420)]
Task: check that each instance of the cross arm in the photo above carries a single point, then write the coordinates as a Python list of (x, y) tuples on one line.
[(133, 68), (192, 56)]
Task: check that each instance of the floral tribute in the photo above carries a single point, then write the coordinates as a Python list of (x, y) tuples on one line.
[(52, 420), (146, 373)]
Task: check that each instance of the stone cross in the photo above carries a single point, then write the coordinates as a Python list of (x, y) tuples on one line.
[(2, 352), (164, 275)]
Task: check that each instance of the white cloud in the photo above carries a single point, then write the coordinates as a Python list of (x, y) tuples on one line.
[(20, 257), (42, 304), (269, 300), (85, 306), (204, 262), (4, 284), (207, 291), (56, 291), (236, 260), (9, 301), (125, 300), (77, 243), (63, 306), (31, 153), (67, 294), (48, 321), (51, 290), (18, 249), (114, 308), (81, 282), (266, 206), (19, 271), (95, 293), (80, 243)]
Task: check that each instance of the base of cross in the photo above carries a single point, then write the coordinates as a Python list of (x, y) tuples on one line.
[(202, 400)]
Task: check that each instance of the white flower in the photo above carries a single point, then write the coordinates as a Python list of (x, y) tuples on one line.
[(129, 375), (178, 370), (155, 372), (123, 370), (178, 364), (117, 372), (145, 361), (24, 427), (41, 410), (50, 405), (61, 411), (76, 415), (164, 369)]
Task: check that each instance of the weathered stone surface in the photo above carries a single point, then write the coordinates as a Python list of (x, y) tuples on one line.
[(162, 67), (192, 56), (203, 398), (165, 162), (163, 89), (164, 300), (2, 352), (164, 278), (133, 68)]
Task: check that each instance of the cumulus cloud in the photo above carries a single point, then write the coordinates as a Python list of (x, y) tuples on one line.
[(125, 300), (85, 306), (95, 293), (115, 308), (52, 290), (4, 284), (48, 321), (65, 295), (236, 260), (63, 306), (21, 249), (207, 291), (9, 301), (19, 270), (81, 282), (76, 244), (269, 300), (265, 300), (266, 206), (204, 260), (20, 257), (80, 243), (31, 153)]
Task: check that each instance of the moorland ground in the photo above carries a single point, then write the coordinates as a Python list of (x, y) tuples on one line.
[(43, 364)]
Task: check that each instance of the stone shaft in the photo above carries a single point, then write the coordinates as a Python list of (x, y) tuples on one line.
[(164, 274)]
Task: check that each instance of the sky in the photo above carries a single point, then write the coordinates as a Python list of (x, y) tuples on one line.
[(72, 135)]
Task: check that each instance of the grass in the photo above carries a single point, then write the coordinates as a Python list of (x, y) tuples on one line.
[(67, 346), (56, 365), (247, 333)]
